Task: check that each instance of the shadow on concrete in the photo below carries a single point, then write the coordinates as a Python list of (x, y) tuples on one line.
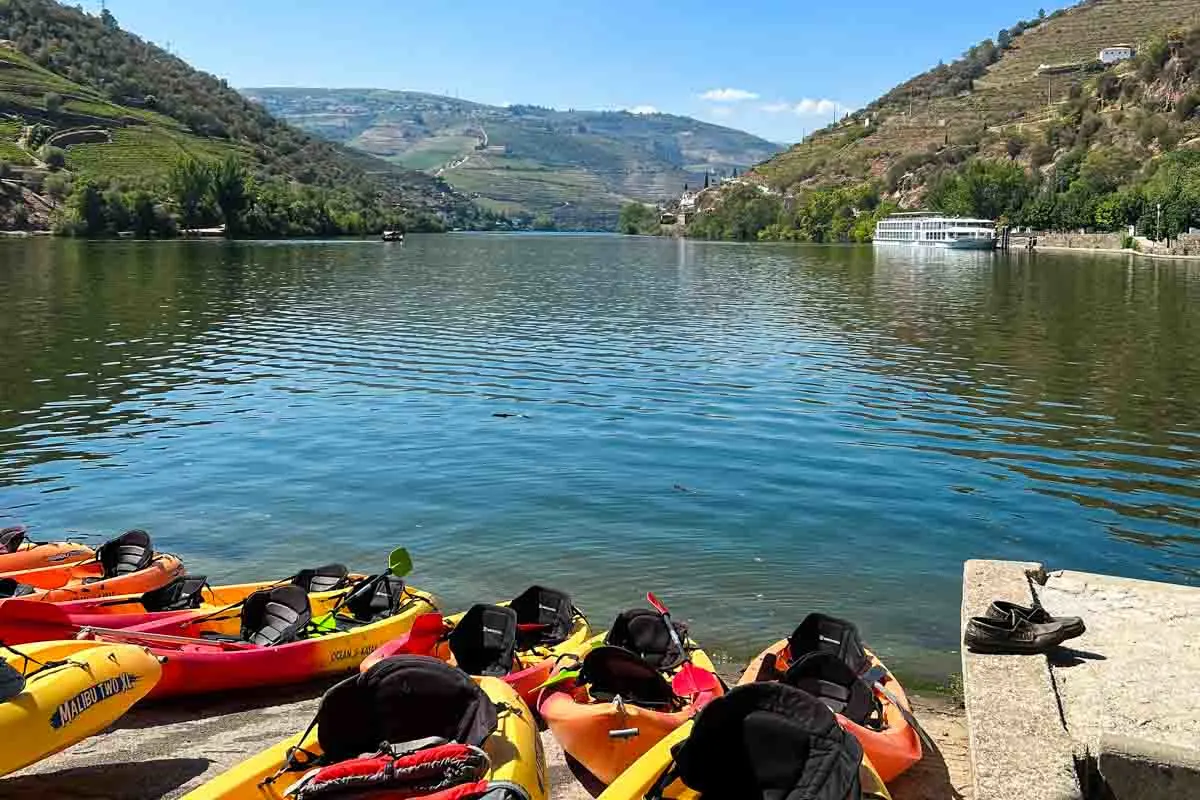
[(928, 780), (184, 709), (1070, 657), (127, 781)]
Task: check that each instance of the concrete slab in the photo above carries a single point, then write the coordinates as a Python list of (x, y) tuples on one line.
[(1135, 768), (1133, 674), (1020, 749)]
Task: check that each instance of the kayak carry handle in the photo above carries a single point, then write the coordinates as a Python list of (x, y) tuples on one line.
[(624, 733)]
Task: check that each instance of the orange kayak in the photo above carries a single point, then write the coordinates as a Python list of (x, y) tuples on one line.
[(124, 565), (18, 553), (825, 657), (631, 691)]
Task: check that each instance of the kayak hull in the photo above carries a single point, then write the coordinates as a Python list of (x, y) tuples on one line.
[(66, 703), (584, 726), (514, 748), (32, 555), (894, 749), (635, 783), (85, 580), (199, 666)]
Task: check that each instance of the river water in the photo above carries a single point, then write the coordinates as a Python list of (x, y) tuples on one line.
[(751, 431)]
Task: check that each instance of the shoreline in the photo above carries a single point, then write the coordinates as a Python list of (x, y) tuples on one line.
[(1106, 251)]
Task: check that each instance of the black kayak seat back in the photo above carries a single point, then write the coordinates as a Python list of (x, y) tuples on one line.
[(327, 578), (12, 682), (769, 741), (403, 699), (379, 602), (610, 672), (10, 587), (828, 678), (484, 642), (550, 610), (821, 633), (130, 552), (642, 631), (275, 616), (11, 538), (182, 593)]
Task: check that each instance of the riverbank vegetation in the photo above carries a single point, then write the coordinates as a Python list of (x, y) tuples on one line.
[(97, 122), (1117, 146)]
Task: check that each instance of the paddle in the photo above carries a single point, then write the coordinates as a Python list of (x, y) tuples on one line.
[(399, 565), (690, 680), (124, 634), (874, 677)]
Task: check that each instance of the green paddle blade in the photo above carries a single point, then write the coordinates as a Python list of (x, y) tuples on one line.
[(400, 562), (325, 623), (556, 679)]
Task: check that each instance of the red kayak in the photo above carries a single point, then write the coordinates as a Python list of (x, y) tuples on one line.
[(23, 621)]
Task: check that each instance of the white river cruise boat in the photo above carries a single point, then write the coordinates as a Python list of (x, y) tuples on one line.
[(936, 230)]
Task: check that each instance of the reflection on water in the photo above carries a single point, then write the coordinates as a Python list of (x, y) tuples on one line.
[(751, 431)]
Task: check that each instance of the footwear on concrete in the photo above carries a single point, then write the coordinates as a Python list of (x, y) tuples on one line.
[(1000, 610), (1015, 635)]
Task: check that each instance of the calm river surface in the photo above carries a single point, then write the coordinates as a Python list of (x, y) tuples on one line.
[(751, 431)]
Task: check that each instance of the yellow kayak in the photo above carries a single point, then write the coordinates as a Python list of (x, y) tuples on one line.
[(718, 758), (71, 690), (400, 699)]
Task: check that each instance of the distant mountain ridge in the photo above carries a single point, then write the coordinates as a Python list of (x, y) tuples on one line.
[(574, 167)]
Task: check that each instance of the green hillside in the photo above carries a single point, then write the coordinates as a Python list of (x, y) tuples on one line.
[(577, 167), (1028, 127), (84, 103)]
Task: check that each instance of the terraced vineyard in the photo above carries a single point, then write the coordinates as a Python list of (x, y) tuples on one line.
[(1009, 99), (577, 167)]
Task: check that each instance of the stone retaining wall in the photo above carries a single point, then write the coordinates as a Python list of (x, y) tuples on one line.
[(1081, 241)]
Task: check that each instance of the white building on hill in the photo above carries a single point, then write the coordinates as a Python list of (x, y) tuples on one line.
[(1115, 53)]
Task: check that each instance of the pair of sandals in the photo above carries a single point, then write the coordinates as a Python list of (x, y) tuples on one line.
[(1023, 630)]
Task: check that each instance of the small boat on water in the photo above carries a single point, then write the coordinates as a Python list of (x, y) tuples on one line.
[(393, 236), (936, 230)]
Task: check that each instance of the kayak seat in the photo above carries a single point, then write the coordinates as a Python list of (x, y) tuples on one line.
[(825, 676), (484, 642), (9, 587), (275, 616), (130, 552), (182, 593), (402, 699), (11, 538), (820, 633), (610, 672), (770, 741), (642, 631), (544, 617), (322, 579), (380, 603), (12, 682)]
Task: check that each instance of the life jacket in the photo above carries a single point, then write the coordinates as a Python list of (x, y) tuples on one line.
[(770, 741), (422, 724), (642, 631)]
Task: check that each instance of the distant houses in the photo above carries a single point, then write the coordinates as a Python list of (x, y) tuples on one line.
[(1116, 53)]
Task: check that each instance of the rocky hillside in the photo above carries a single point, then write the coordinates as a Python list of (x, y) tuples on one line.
[(83, 100), (1029, 126), (575, 167)]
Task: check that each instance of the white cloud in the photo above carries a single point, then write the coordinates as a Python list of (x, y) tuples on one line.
[(642, 110), (809, 106), (728, 95), (777, 108)]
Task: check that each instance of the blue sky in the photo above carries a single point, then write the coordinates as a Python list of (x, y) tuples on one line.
[(771, 67)]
